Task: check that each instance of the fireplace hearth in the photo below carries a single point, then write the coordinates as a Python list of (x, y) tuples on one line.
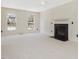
[(61, 32)]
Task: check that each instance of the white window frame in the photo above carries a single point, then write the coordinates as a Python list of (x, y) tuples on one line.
[(33, 17), (11, 28)]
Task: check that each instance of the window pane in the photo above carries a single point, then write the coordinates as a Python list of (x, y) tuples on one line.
[(11, 22), (31, 22), (11, 28)]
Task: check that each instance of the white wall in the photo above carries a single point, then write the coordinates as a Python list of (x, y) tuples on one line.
[(21, 24), (66, 14)]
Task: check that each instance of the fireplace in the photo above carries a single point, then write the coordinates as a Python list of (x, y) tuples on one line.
[(61, 31)]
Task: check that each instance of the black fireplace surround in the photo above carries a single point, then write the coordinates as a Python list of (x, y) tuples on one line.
[(61, 32)]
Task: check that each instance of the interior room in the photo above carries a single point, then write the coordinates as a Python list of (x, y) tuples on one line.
[(39, 29)]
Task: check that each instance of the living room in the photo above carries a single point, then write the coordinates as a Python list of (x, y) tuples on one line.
[(39, 29)]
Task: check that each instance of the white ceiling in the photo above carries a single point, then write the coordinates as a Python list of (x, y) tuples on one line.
[(32, 5)]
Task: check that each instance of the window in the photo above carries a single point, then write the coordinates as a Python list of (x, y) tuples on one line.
[(31, 22), (11, 22)]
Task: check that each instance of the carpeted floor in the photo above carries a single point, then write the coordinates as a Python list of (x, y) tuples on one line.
[(37, 46)]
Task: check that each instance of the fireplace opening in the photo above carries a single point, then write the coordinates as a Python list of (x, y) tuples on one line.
[(61, 31)]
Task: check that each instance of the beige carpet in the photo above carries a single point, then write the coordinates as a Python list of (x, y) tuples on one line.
[(37, 46)]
